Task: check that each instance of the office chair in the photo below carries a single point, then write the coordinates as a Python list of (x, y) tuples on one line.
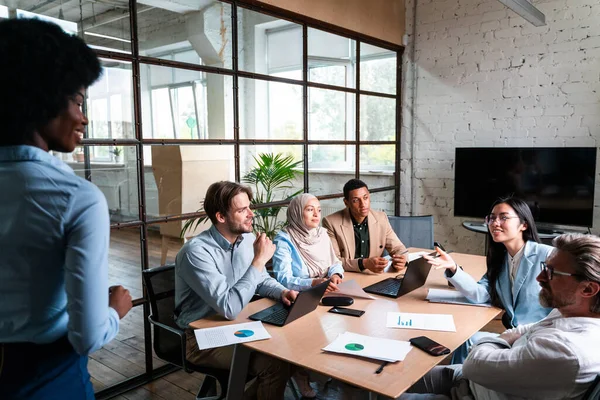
[(414, 231), (593, 393), (169, 339)]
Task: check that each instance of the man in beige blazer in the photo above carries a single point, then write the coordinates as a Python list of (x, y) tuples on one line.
[(359, 235)]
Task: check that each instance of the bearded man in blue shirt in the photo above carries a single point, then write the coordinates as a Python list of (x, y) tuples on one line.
[(218, 272)]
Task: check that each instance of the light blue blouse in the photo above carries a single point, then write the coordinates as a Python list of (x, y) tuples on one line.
[(54, 239), (289, 268)]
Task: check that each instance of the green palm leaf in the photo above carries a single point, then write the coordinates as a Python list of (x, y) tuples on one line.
[(270, 179)]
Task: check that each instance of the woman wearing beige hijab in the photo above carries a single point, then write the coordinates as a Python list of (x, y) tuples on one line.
[(304, 258), (304, 255)]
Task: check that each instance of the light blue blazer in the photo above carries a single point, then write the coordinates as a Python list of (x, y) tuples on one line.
[(520, 301), (289, 268)]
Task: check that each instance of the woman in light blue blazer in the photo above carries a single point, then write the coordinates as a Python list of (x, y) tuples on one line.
[(513, 261), (304, 257)]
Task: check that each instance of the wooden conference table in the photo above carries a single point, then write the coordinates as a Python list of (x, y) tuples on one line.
[(301, 341)]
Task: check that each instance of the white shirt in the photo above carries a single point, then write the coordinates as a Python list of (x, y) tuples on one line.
[(556, 358), (513, 263)]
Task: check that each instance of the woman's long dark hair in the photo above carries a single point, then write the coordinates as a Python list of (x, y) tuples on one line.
[(497, 251)]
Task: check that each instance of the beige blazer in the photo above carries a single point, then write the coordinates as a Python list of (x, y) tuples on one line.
[(381, 236)]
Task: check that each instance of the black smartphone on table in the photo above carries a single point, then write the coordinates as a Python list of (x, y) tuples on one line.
[(346, 311), (429, 346)]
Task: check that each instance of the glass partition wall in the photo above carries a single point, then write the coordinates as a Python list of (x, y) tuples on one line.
[(193, 92)]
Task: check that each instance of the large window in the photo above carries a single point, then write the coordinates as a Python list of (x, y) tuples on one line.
[(195, 92)]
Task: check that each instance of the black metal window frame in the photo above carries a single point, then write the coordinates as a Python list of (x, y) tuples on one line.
[(136, 60)]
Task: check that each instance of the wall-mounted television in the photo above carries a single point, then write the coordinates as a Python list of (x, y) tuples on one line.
[(557, 183)]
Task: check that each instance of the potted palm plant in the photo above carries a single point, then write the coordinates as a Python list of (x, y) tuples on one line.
[(117, 152), (271, 180), (78, 154)]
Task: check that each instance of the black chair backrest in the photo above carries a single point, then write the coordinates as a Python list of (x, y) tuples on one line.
[(160, 286), (593, 393)]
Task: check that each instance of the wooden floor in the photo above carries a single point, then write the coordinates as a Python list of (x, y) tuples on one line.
[(124, 357)]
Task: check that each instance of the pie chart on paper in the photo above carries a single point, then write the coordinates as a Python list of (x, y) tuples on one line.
[(244, 333), (354, 347)]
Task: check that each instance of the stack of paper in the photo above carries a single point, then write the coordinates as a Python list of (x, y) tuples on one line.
[(350, 288), (370, 347), (220, 336), (429, 322), (451, 297)]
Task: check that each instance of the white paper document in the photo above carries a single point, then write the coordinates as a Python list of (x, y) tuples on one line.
[(428, 322), (417, 254), (220, 336), (370, 347), (451, 297), (350, 288), (411, 257)]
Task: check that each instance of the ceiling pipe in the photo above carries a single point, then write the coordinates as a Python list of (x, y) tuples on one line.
[(526, 10)]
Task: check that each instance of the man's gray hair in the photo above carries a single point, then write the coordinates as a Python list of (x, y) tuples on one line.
[(585, 250)]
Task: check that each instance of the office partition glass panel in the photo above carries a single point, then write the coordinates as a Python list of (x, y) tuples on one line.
[(269, 45), (377, 118), (179, 175), (377, 165), (331, 115), (109, 103), (192, 32), (270, 110), (377, 69), (114, 170), (103, 25), (330, 166), (185, 104), (331, 59)]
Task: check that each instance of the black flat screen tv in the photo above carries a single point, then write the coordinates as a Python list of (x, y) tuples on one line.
[(557, 183)]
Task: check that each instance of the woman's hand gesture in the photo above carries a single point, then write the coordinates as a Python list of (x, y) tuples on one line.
[(443, 260)]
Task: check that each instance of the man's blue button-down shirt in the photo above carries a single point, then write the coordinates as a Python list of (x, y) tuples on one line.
[(54, 238), (213, 276)]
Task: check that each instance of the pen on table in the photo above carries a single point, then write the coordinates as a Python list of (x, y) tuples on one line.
[(381, 367)]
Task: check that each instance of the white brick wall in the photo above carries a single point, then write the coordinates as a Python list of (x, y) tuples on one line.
[(483, 76)]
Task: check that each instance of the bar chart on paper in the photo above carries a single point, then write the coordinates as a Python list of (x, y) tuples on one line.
[(430, 322)]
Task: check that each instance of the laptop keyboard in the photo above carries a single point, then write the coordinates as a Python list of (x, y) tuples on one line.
[(278, 317), (387, 286)]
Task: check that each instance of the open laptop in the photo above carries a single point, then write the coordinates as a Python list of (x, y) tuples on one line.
[(281, 315), (415, 277)]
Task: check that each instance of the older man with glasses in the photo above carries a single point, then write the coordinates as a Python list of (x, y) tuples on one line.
[(556, 358)]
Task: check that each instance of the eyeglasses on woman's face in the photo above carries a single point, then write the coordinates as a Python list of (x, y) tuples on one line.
[(502, 218)]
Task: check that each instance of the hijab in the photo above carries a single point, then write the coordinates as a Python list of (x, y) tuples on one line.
[(313, 244)]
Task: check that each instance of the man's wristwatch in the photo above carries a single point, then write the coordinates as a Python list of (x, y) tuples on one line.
[(361, 266)]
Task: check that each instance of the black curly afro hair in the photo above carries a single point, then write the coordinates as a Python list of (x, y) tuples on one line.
[(40, 67)]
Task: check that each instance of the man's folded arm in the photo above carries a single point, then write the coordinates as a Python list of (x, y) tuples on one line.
[(548, 364)]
